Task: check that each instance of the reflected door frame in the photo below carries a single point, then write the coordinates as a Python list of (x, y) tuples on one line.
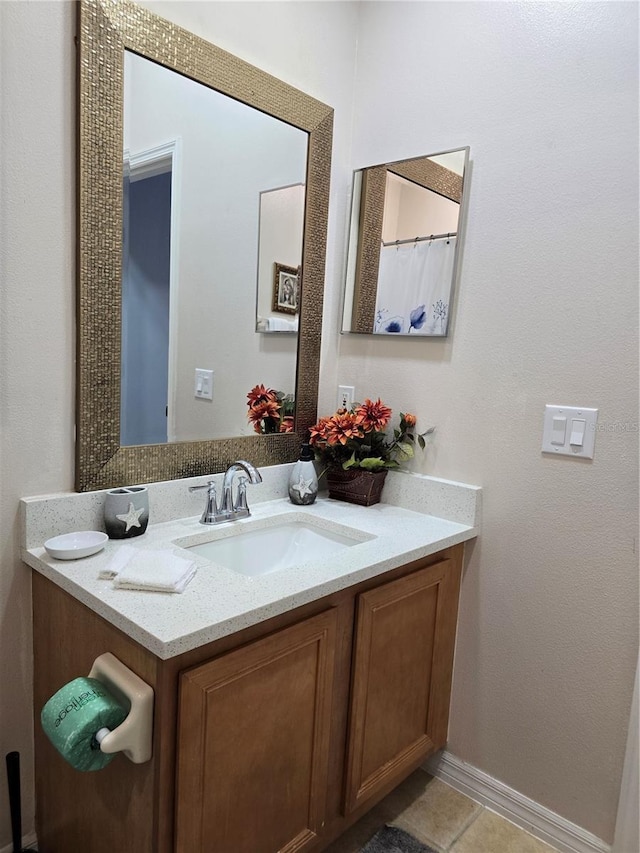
[(145, 164)]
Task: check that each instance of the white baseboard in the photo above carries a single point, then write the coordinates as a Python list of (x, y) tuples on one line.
[(500, 798), (27, 840), (510, 804)]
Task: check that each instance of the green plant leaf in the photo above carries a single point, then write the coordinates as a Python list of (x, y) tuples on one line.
[(406, 449), (373, 463), (350, 463), (421, 442)]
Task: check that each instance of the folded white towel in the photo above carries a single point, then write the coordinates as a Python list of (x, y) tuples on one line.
[(278, 324), (161, 571)]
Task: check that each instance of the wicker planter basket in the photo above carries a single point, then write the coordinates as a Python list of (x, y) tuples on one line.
[(355, 485)]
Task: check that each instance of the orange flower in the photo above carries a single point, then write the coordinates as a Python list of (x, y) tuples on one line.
[(265, 409), (356, 438), (372, 417), (260, 394), (341, 427), (318, 432), (287, 424)]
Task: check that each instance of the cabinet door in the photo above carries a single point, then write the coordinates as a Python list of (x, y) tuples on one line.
[(401, 681), (253, 744)]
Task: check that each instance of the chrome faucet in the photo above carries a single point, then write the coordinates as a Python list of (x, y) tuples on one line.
[(239, 509), (228, 509)]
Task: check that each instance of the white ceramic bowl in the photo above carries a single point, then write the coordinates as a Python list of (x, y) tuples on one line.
[(73, 546)]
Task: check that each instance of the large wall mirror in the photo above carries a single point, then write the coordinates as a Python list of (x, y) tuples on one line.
[(203, 199), (404, 245)]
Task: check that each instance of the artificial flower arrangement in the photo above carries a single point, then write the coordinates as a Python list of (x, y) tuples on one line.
[(270, 411), (356, 438)]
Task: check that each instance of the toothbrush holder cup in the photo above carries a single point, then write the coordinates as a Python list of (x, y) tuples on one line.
[(126, 512)]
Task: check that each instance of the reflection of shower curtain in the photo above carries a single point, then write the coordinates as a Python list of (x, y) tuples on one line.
[(414, 288)]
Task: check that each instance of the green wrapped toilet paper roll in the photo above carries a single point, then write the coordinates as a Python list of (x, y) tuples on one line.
[(73, 716)]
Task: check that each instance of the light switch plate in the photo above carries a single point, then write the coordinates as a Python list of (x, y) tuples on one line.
[(566, 424), (203, 384)]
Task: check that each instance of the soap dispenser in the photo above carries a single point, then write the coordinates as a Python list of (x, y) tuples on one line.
[(303, 482)]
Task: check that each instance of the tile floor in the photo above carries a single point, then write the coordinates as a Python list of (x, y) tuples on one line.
[(441, 817)]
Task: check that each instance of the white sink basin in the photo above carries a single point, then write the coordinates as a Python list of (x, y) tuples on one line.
[(279, 546)]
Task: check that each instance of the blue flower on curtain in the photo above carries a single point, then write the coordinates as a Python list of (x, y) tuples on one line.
[(395, 324), (417, 318)]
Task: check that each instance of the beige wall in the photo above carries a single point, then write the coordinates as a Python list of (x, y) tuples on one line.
[(36, 325), (546, 312)]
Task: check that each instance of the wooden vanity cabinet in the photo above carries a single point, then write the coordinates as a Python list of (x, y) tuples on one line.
[(402, 665), (272, 740), (253, 741)]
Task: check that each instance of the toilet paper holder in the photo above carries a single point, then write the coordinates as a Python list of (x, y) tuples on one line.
[(133, 737)]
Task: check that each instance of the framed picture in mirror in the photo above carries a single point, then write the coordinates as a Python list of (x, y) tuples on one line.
[(285, 289)]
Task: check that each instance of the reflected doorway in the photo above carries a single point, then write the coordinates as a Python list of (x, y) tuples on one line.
[(146, 304)]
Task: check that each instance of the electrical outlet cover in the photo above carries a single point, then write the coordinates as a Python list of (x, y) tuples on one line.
[(346, 396)]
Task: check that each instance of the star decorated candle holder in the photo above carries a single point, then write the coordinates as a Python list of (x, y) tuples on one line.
[(126, 512)]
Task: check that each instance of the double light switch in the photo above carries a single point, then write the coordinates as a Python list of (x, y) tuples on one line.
[(203, 384), (569, 431)]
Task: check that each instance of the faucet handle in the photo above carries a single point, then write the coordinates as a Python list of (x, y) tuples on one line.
[(203, 486), (240, 508), (211, 512)]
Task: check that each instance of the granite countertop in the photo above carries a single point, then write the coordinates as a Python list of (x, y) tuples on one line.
[(419, 516), (218, 601)]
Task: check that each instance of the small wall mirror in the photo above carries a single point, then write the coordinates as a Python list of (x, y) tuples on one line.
[(404, 245), (198, 175), (279, 290)]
